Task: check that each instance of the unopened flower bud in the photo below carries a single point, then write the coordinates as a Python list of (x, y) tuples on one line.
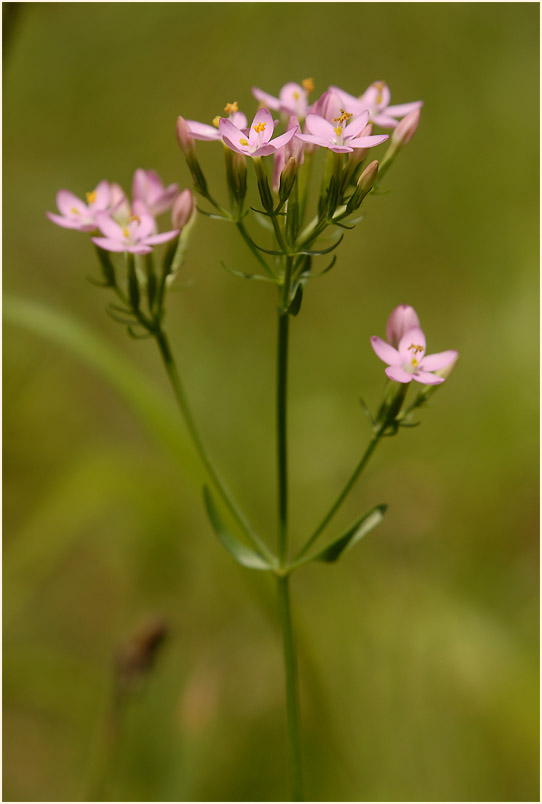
[(405, 130), (364, 186), (287, 179), (184, 138), (183, 209), (401, 319)]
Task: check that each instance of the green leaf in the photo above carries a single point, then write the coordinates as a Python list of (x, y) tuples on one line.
[(295, 304), (241, 553), (352, 535)]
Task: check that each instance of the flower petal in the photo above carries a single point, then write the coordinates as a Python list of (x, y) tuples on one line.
[(427, 379), (385, 352), (398, 374), (312, 138), (412, 337), (201, 131), (109, 227), (368, 142), (356, 125), (265, 98), (439, 360), (71, 223), (401, 109), (319, 127), (108, 244), (154, 240), (280, 141), (67, 202), (103, 196), (384, 120)]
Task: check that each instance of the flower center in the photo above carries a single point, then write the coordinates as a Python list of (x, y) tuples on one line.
[(259, 128), (91, 197)]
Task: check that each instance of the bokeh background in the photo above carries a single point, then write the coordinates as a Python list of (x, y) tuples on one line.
[(419, 651)]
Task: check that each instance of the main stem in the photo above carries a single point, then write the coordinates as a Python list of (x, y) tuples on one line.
[(290, 667), (219, 483)]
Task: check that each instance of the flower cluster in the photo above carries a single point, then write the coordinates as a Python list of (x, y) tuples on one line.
[(126, 225), (337, 120)]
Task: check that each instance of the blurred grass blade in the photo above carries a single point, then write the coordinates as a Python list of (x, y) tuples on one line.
[(145, 400), (349, 538), (241, 553)]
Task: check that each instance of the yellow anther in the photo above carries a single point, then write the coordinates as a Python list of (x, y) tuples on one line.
[(259, 128), (75, 211), (296, 95), (91, 197), (343, 117), (134, 218), (230, 108), (380, 86), (338, 131), (414, 362), (308, 85), (126, 233), (417, 348), (216, 121), (242, 141)]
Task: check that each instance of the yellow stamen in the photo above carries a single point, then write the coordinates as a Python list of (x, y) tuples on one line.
[(414, 362), (75, 211), (308, 85), (343, 117), (380, 86), (230, 108), (259, 128), (126, 233), (296, 95), (134, 218), (91, 197), (242, 141), (417, 348), (338, 131), (216, 121)]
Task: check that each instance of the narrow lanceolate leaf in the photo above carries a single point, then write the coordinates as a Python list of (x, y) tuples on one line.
[(352, 535), (241, 553)]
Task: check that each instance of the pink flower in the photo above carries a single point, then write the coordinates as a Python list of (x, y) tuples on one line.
[(202, 131), (400, 321), (258, 141), (136, 236), (409, 361), (375, 100), (293, 98), (406, 129), (75, 214), (343, 137), (148, 188)]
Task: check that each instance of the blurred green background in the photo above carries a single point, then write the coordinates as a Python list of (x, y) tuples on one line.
[(419, 652)]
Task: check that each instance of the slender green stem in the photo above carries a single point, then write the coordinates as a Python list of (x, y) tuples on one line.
[(290, 667), (219, 483), (282, 434), (344, 493)]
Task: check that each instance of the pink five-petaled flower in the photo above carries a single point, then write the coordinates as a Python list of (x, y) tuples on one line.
[(148, 187), (258, 141), (75, 214), (375, 100), (409, 361), (136, 236), (202, 131), (293, 98), (342, 135)]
